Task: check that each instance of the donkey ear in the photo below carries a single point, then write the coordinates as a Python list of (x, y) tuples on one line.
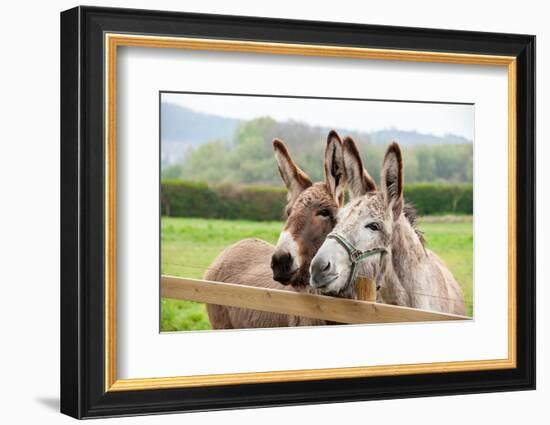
[(295, 179), (359, 180), (335, 173), (392, 179)]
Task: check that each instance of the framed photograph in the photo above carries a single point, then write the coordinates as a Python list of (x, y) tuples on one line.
[(261, 212)]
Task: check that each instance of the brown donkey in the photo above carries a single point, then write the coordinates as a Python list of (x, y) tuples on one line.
[(378, 224), (311, 214)]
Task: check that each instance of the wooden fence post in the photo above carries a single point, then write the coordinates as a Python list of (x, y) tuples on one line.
[(280, 301), (366, 289)]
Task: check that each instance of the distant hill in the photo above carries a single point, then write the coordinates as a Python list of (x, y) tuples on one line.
[(411, 138), (183, 125), (183, 128)]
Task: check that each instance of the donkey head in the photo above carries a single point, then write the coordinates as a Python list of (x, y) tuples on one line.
[(366, 223), (311, 211)]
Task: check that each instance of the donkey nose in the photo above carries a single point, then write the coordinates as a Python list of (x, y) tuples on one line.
[(322, 272), (281, 265)]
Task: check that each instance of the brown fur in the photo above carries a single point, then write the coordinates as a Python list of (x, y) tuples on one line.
[(287, 169), (247, 263), (311, 215), (309, 229)]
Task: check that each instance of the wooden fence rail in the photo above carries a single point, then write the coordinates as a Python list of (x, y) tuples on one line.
[(287, 302)]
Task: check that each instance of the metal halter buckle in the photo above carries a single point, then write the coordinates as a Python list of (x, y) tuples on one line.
[(355, 255)]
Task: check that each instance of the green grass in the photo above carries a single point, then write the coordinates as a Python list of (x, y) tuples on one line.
[(189, 245)]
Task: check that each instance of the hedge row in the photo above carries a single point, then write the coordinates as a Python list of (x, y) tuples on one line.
[(440, 198), (191, 199)]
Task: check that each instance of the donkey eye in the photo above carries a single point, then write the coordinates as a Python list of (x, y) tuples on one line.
[(373, 226), (324, 212)]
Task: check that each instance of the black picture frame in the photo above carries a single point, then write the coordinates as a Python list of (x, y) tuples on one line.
[(83, 392)]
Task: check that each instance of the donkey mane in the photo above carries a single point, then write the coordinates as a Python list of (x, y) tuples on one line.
[(411, 214), (410, 275)]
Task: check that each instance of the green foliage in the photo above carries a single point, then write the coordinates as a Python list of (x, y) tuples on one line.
[(191, 199), (173, 172), (440, 198), (248, 157), (189, 245), (227, 201)]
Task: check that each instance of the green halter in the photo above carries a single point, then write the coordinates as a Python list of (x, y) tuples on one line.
[(355, 255)]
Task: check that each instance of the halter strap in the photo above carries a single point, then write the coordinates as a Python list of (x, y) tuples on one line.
[(355, 255)]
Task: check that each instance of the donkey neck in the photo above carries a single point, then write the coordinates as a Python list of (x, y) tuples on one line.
[(407, 252)]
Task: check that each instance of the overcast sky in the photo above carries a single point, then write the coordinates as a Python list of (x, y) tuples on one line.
[(367, 116)]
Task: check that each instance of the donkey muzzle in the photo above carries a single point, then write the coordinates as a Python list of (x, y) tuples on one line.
[(322, 272), (282, 265)]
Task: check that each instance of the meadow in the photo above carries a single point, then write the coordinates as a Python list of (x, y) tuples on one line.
[(189, 245)]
